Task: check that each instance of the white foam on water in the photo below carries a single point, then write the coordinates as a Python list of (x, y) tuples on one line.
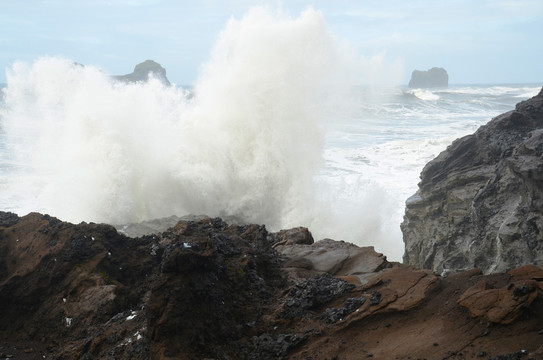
[(424, 94)]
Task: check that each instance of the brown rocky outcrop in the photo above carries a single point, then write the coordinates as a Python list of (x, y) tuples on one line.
[(480, 202), (208, 290), (502, 305)]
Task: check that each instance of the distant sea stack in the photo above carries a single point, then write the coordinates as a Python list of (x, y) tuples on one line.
[(142, 71), (480, 202), (435, 77)]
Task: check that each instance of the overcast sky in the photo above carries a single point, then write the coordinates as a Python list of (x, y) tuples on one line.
[(476, 41)]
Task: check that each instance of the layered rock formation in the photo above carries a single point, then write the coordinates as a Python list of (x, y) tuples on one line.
[(208, 290), (480, 202), (143, 70), (435, 77)]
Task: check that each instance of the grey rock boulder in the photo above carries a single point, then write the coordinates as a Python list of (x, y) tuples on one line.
[(338, 258)]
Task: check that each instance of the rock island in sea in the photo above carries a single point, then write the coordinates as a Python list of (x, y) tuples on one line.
[(143, 70), (434, 77)]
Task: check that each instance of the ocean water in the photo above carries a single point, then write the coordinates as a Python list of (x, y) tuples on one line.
[(273, 132)]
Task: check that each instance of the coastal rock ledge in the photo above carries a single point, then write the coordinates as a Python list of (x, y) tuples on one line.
[(209, 290), (480, 202)]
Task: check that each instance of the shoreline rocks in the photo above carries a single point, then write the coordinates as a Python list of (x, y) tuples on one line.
[(480, 202), (208, 289)]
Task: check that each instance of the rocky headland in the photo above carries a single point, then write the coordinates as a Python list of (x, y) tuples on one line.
[(209, 290), (480, 202), (434, 77)]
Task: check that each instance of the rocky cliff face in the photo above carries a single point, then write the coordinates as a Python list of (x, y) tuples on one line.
[(208, 290), (480, 202), (435, 77)]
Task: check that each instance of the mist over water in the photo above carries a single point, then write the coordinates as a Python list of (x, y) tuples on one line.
[(272, 133)]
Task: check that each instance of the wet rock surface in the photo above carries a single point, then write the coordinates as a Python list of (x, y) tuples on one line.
[(480, 202), (206, 289)]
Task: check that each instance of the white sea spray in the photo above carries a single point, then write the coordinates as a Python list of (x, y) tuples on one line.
[(248, 144)]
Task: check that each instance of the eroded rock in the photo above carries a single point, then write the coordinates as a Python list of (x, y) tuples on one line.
[(479, 202), (501, 305), (208, 289), (334, 257)]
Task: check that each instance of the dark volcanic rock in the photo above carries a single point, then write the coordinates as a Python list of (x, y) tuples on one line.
[(480, 202), (143, 70), (210, 290), (333, 315), (8, 218), (269, 346), (435, 77), (312, 293), (100, 292)]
